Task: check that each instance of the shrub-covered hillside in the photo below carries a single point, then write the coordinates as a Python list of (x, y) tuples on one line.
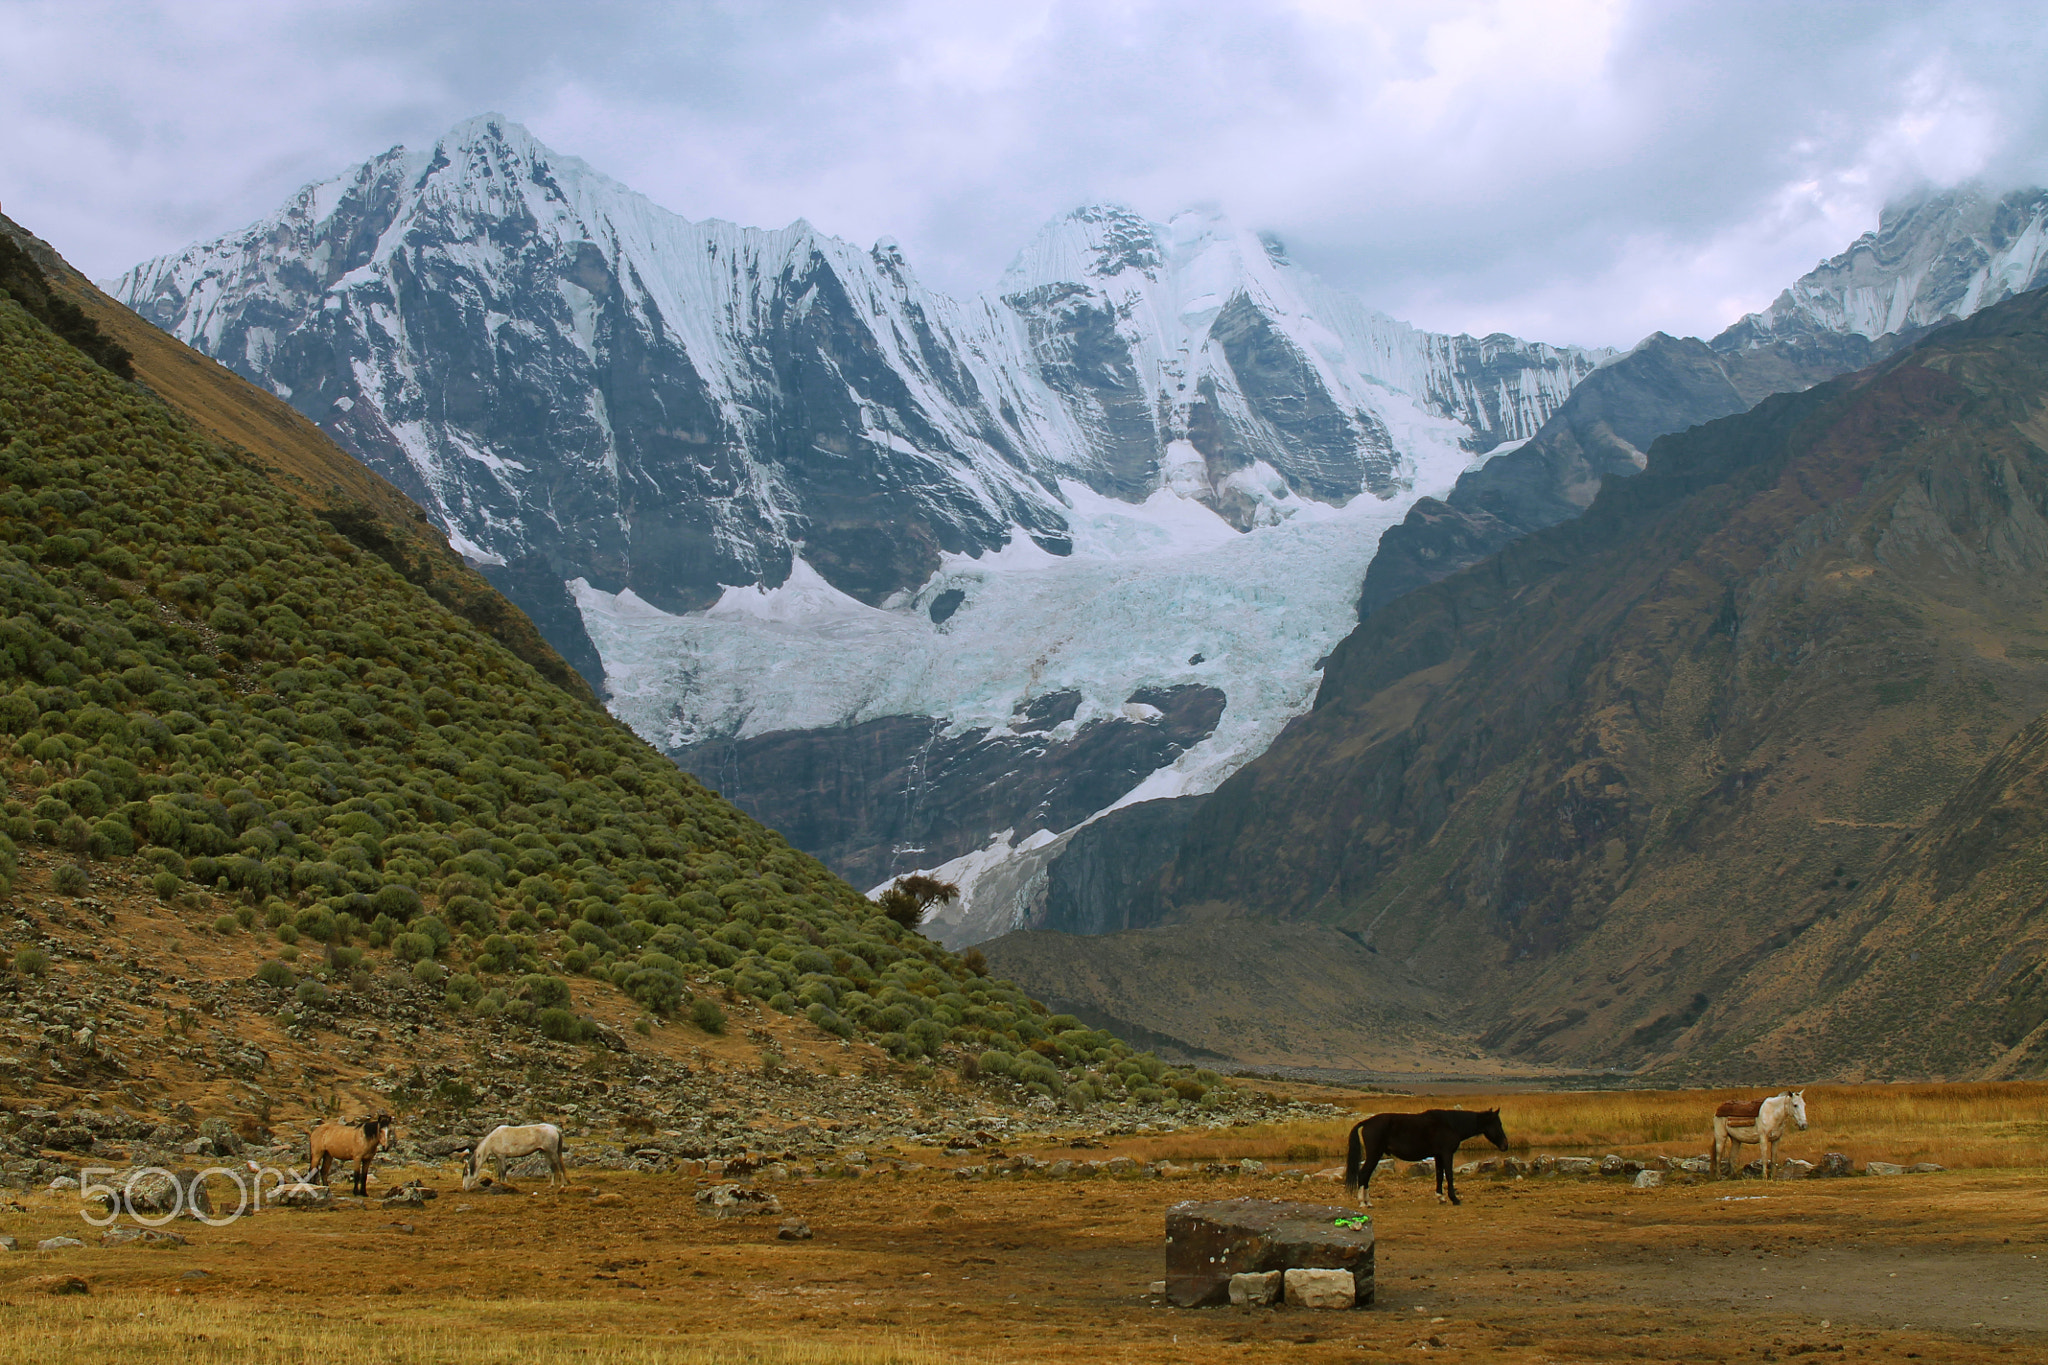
[(197, 672)]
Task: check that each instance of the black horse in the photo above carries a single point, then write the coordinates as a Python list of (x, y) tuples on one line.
[(1411, 1137)]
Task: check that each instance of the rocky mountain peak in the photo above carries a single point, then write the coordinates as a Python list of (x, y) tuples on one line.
[(1934, 257)]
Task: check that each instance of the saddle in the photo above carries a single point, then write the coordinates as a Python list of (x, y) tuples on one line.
[(1740, 1111)]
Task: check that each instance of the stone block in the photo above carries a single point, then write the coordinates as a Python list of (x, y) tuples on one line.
[(1836, 1163), (1207, 1243), (1795, 1169), (1576, 1165), (1926, 1168), (1255, 1288), (58, 1244), (1883, 1168), (1648, 1180), (1317, 1288), (1424, 1169)]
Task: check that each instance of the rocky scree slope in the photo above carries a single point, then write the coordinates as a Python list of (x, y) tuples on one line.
[(818, 529), (199, 672), (1634, 790)]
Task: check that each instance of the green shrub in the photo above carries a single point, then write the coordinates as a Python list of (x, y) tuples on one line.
[(429, 972), (311, 993), (226, 924), (707, 1014), (546, 992), (69, 880), (32, 962), (565, 1027), (275, 974)]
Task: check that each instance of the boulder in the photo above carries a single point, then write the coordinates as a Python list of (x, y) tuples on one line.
[(1316, 1288), (793, 1230), (737, 1201), (64, 1182), (1883, 1168), (155, 1237), (1575, 1165), (1120, 1165), (1614, 1165), (1251, 1167), (58, 1244), (301, 1196), (1255, 1288), (1926, 1168), (1648, 1180), (1795, 1169), (10, 1244), (159, 1191), (1207, 1243), (1694, 1165), (1836, 1163), (1424, 1169)]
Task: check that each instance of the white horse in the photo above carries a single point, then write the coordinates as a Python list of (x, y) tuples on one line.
[(1764, 1122), (507, 1141)]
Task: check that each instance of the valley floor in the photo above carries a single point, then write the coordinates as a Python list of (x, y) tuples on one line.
[(921, 1266)]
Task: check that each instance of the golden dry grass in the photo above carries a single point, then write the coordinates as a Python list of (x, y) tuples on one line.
[(87, 1330), (1982, 1125)]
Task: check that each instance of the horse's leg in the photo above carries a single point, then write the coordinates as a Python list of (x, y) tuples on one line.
[(1447, 1173), (1770, 1149), (1371, 1163)]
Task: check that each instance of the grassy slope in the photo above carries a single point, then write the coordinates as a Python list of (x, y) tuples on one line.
[(1719, 702), (301, 460), (196, 669)]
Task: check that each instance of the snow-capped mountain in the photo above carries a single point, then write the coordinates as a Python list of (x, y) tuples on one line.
[(1933, 259), (920, 575)]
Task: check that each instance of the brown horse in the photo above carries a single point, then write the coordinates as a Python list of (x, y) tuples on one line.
[(1433, 1134), (357, 1142)]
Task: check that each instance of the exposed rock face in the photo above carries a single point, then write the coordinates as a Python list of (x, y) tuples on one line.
[(890, 796)]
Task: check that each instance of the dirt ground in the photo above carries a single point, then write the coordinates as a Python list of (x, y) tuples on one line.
[(1944, 1267)]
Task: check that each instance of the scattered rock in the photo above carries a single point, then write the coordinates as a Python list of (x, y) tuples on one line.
[(1207, 1243), (737, 1201), (793, 1230), (1575, 1165), (10, 1244), (1157, 1287), (193, 1275), (1648, 1180), (1423, 1169), (1925, 1168), (399, 1227), (612, 1200), (58, 1244), (1883, 1168), (1251, 1167), (1255, 1288), (64, 1182), (1316, 1288), (1795, 1169), (1694, 1165), (1836, 1163)]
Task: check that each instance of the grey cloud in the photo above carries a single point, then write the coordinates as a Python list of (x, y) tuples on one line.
[(1589, 174)]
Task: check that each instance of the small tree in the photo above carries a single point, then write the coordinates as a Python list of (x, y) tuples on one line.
[(909, 900)]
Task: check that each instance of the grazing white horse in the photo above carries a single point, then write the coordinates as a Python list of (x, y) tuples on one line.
[(1765, 1122), (507, 1141)]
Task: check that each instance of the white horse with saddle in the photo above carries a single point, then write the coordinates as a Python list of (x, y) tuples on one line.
[(1762, 1123), (506, 1142)]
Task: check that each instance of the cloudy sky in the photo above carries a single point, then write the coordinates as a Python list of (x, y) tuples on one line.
[(1576, 170)]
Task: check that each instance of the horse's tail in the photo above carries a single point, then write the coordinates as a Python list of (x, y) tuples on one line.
[(1354, 1158)]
